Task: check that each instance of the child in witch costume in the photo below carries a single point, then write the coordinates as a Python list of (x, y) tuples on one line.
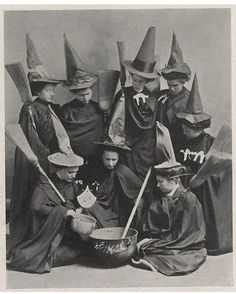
[(49, 240), (114, 184), (140, 108), (81, 117), (179, 248), (192, 153), (175, 98), (45, 134)]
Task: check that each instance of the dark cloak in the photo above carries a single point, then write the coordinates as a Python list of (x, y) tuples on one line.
[(168, 106), (42, 139), (116, 191), (179, 249), (48, 240), (215, 194), (84, 125), (140, 131)]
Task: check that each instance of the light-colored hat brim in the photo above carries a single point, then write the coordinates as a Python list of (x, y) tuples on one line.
[(129, 67), (167, 165), (66, 160)]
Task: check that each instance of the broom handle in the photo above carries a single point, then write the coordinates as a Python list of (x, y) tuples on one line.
[(121, 49), (50, 182), (136, 203)]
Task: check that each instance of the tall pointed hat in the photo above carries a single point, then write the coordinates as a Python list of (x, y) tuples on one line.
[(77, 75), (37, 71), (144, 63), (194, 115), (176, 68)]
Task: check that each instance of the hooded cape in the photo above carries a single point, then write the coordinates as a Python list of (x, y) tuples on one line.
[(140, 132), (84, 125), (116, 191), (215, 195), (46, 229), (41, 136), (179, 249)]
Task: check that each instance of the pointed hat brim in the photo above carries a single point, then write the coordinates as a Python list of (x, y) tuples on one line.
[(193, 118), (82, 85), (181, 68), (128, 65), (111, 144)]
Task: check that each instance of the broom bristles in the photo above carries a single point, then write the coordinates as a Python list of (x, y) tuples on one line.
[(15, 134), (18, 76)]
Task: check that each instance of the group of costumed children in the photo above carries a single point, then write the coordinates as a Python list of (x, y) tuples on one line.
[(80, 145)]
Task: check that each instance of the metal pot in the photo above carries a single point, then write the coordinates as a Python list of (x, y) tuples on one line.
[(110, 248), (83, 224)]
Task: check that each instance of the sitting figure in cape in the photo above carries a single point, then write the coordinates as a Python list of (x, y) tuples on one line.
[(81, 117), (173, 230), (49, 240), (215, 194), (114, 185)]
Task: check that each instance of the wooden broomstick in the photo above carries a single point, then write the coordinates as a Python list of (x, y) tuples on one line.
[(136, 203), (121, 51), (15, 134), (18, 76)]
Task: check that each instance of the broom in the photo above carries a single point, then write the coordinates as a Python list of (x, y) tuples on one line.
[(18, 76), (218, 158), (15, 134), (121, 51)]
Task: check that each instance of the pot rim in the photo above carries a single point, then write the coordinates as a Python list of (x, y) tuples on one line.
[(135, 232)]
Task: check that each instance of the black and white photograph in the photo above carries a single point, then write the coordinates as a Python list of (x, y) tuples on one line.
[(118, 147)]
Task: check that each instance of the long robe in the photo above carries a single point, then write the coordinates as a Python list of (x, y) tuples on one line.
[(179, 248), (140, 130), (116, 191), (168, 106), (84, 125), (48, 239), (42, 140), (215, 194)]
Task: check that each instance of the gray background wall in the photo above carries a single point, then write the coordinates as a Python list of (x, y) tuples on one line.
[(203, 35)]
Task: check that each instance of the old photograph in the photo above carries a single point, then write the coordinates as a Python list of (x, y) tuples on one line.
[(118, 147)]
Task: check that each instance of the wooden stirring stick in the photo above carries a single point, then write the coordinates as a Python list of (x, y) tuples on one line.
[(136, 203)]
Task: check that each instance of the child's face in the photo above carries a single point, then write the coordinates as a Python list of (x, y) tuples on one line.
[(138, 82), (164, 184), (175, 86), (110, 159), (191, 133), (84, 95), (47, 93), (68, 174)]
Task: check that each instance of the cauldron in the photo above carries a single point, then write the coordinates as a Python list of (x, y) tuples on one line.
[(110, 249)]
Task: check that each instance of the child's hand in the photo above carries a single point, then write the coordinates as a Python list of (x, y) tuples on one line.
[(71, 212)]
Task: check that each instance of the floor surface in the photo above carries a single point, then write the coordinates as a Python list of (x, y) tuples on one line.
[(217, 271)]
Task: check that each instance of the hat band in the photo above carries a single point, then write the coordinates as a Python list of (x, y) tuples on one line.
[(142, 66)]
